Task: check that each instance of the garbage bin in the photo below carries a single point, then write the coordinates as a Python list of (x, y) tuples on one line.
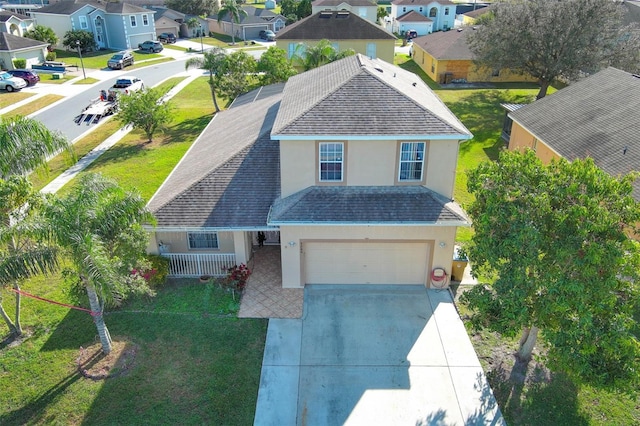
[(56, 76), (460, 261)]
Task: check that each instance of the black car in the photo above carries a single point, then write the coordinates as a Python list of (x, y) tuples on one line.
[(120, 60), (27, 75), (151, 46), (167, 38)]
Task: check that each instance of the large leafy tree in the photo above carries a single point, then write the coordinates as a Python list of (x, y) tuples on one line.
[(85, 38), (99, 227), (309, 57), (212, 61), (552, 39), (193, 7), (25, 145), (145, 110), (237, 72), (42, 33), (232, 9), (275, 66), (556, 240)]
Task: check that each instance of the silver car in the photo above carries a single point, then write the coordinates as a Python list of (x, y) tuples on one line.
[(11, 83)]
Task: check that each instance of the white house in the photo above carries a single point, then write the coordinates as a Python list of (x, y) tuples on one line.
[(424, 16)]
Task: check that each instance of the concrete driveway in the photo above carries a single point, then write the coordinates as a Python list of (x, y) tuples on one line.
[(373, 355)]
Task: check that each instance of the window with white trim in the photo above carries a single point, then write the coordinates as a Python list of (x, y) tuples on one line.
[(83, 22), (145, 20), (132, 18), (371, 50), (411, 161), (446, 11), (202, 240), (331, 159)]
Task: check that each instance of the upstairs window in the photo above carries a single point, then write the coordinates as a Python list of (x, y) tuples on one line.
[(83, 22), (145, 20), (446, 10), (202, 240), (331, 160), (433, 12), (133, 20), (411, 161)]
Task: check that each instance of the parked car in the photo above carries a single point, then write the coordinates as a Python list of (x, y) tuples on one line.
[(151, 46), (120, 60), (126, 85), (11, 83), (30, 77), (411, 34), (267, 35), (167, 38)]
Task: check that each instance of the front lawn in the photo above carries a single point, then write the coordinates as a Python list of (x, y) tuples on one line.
[(97, 60), (191, 360)]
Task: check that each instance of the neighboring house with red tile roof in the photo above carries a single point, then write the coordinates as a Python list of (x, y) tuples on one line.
[(345, 30), (445, 56), (15, 47), (596, 117), (366, 9), (325, 169), (114, 25), (15, 23), (441, 16)]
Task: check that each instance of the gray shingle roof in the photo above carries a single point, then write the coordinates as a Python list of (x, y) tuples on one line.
[(68, 7), (229, 177), (446, 44), (10, 42), (358, 96), (366, 205), (6, 15), (333, 3), (413, 16), (422, 2), (597, 117), (254, 16), (334, 25)]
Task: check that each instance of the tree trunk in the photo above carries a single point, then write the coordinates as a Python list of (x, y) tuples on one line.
[(213, 92), (98, 319), (233, 33), (527, 343), (18, 327), (10, 324), (544, 85)]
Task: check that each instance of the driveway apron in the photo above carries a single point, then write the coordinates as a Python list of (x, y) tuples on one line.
[(383, 355)]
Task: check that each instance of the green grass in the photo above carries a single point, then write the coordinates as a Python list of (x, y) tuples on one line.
[(98, 60), (7, 99), (48, 78), (88, 80), (195, 363), (137, 164), (33, 106)]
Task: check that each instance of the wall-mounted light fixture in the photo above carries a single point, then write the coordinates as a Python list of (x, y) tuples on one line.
[(442, 244), (292, 243)]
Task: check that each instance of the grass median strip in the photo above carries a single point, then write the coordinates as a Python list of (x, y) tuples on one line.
[(33, 106), (8, 99)]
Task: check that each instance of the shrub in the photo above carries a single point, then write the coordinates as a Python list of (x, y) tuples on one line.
[(19, 63), (51, 56), (154, 270)]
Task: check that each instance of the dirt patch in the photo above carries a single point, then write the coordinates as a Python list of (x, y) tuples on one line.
[(93, 364)]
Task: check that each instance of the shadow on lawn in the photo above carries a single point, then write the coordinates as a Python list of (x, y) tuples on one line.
[(75, 329), (187, 129)]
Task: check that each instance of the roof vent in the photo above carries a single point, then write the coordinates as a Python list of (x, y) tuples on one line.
[(379, 69), (342, 14), (326, 15), (624, 151), (414, 84), (636, 75)]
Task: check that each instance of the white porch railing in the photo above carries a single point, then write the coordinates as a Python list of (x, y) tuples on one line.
[(199, 264)]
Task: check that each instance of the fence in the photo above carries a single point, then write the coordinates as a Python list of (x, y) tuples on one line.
[(199, 264)]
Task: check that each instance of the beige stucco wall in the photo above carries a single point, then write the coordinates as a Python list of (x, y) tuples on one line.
[(368, 163), (293, 237), (521, 140), (177, 242), (385, 49)]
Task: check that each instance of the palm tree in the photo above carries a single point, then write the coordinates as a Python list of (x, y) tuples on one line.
[(25, 249), (192, 23), (212, 61), (309, 57), (235, 12), (99, 226), (25, 144)]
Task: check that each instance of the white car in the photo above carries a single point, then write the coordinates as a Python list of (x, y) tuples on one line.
[(126, 85), (11, 83)]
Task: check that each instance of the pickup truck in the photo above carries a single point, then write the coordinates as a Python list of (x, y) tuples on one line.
[(126, 85)]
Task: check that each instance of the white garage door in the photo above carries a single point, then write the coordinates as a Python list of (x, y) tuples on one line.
[(365, 263)]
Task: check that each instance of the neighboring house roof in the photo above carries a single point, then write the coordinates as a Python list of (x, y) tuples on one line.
[(596, 117), (358, 96), (10, 42), (413, 16), (422, 2), (5, 16), (231, 174), (333, 3), (254, 16), (334, 25), (366, 205), (446, 44), (68, 7), (478, 12), (168, 13)]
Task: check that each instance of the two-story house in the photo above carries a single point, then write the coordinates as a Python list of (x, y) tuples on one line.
[(15, 23), (366, 9), (423, 16), (349, 193), (345, 30), (114, 25)]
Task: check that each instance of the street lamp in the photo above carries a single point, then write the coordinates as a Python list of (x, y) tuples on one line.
[(84, 76), (201, 45)]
